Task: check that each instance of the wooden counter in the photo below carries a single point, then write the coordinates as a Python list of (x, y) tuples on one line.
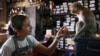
[(3, 38)]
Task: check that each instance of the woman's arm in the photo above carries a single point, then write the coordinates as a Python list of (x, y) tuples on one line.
[(47, 50), (50, 49)]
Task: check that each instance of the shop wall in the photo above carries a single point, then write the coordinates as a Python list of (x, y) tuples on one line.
[(3, 11)]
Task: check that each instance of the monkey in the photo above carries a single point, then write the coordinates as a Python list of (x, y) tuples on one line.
[(86, 24)]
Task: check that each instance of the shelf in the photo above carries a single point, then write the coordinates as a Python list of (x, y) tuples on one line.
[(97, 11), (60, 14)]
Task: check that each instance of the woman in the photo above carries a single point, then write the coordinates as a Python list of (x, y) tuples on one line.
[(21, 43)]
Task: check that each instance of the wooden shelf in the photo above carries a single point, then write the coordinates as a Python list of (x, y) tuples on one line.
[(60, 14), (3, 38)]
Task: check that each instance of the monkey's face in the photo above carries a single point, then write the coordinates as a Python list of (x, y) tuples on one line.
[(73, 11)]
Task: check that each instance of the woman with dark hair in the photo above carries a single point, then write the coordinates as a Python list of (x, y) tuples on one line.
[(21, 43)]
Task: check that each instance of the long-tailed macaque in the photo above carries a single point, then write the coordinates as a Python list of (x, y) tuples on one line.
[(86, 25)]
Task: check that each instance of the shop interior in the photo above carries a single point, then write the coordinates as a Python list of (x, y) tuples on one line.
[(47, 16)]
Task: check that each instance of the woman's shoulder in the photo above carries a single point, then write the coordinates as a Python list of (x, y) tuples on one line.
[(34, 41), (30, 37), (9, 43), (9, 40)]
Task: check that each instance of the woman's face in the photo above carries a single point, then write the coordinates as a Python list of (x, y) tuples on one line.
[(26, 28)]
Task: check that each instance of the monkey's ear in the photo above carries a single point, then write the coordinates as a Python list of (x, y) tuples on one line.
[(78, 3)]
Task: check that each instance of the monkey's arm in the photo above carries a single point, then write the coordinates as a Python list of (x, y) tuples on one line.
[(82, 27)]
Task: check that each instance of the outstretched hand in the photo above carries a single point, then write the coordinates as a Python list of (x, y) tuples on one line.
[(62, 32)]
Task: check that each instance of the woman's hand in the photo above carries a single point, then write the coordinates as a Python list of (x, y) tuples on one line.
[(62, 32)]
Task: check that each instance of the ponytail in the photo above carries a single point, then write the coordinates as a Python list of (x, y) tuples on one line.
[(11, 31)]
